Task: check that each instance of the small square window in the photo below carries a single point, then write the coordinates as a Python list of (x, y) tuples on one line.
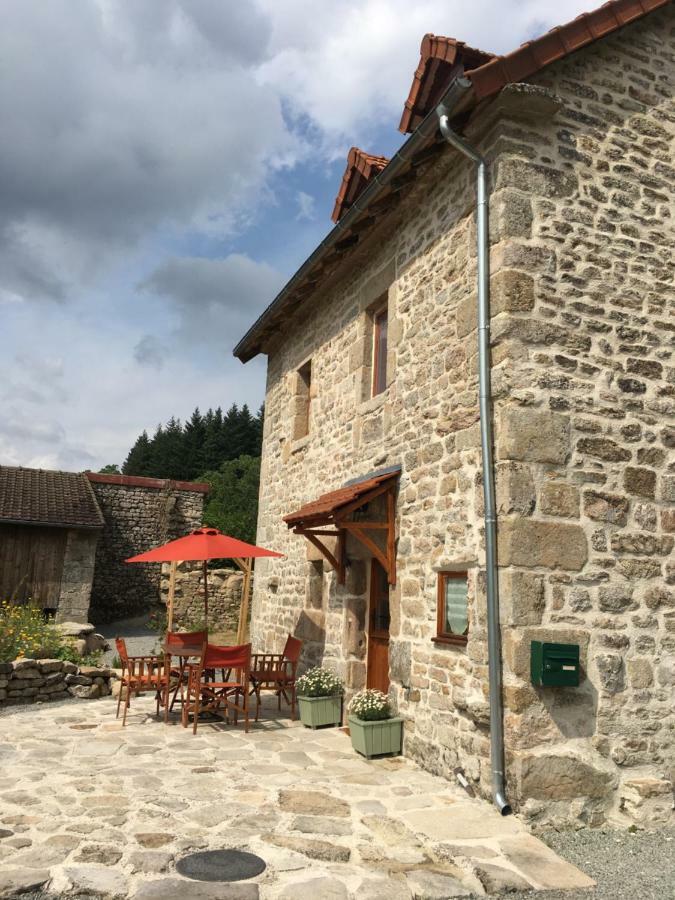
[(380, 326), (452, 623)]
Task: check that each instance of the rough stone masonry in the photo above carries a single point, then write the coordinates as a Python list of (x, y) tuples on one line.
[(582, 272), (139, 513)]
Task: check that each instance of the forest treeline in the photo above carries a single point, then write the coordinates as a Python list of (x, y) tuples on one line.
[(222, 449)]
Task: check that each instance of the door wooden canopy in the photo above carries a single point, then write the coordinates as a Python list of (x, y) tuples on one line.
[(339, 513)]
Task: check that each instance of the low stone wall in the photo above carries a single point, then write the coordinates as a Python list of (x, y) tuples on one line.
[(225, 590), (42, 680)]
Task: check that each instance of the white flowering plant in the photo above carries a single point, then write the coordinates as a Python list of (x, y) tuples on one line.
[(318, 682), (370, 705)]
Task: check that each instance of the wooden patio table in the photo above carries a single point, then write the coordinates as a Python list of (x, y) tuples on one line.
[(184, 654)]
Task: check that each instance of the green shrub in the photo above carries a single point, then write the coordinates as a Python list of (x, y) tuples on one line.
[(25, 633)]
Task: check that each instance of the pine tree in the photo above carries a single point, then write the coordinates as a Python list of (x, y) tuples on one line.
[(168, 451), (194, 436), (231, 441), (213, 451), (138, 461)]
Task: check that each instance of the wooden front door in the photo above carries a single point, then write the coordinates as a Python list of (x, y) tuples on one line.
[(377, 675)]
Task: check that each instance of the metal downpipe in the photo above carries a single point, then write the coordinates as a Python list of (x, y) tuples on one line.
[(485, 406)]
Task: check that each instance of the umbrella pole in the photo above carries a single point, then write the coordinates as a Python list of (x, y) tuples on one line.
[(243, 609), (206, 596), (172, 590)]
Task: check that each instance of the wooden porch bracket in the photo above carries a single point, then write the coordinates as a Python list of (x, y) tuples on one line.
[(314, 538), (329, 516)]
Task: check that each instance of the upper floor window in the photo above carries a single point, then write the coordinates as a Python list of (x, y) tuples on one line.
[(452, 623), (302, 400), (380, 323)]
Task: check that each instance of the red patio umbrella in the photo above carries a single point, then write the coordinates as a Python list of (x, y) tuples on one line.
[(204, 544)]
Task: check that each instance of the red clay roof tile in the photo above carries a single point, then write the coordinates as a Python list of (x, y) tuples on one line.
[(361, 167), (322, 510), (558, 43), (440, 59)]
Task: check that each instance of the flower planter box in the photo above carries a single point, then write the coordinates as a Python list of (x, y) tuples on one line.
[(377, 738), (315, 712)]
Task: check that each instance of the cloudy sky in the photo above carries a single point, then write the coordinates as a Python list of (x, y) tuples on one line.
[(165, 166)]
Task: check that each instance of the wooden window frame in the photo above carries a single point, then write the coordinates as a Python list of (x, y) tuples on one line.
[(444, 637), (377, 314)]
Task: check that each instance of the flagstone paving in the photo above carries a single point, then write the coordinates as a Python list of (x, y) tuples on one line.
[(90, 808)]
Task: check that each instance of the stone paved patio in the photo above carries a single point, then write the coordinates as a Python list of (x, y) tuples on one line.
[(89, 808)]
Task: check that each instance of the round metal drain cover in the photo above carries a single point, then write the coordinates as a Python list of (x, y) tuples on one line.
[(221, 865)]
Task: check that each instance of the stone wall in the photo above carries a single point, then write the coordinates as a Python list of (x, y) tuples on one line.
[(424, 263), (225, 589), (139, 513), (43, 680), (77, 576), (582, 275)]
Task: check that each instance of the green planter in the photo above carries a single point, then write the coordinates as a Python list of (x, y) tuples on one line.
[(384, 736), (316, 712)]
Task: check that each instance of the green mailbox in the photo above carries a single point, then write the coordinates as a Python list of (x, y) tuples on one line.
[(554, 665)]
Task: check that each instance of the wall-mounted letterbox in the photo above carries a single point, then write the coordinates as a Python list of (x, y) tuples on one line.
[(554, 665)]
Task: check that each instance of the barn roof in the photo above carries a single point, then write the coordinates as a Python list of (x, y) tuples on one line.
[(43, 497)]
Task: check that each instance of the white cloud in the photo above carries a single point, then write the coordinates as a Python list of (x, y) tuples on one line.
[(348, 65), (139, 139), (213, 297), (306, 206)]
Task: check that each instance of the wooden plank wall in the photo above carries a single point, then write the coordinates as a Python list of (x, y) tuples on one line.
[(31, 563)]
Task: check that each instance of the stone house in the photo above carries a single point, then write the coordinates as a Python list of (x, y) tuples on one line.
[(373, 476), (64, 537)]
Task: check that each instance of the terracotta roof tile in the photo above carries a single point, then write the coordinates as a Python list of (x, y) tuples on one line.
[(557, 43), (441, 58), (322, 510), (361, 167), (40, 497)]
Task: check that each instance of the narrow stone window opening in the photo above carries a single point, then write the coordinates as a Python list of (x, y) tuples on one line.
[(452, 611), (380, 328), (314, 597), (302, 401)]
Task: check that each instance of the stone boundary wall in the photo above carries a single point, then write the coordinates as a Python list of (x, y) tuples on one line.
[(225, 589), (42, 680), (139, 513)]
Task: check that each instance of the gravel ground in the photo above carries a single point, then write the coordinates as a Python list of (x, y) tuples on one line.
[(639, 866), (140, 639)]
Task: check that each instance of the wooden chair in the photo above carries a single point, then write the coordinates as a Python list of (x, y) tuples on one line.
[(277, 672), (140, 673), (206, 695), (178, 640)]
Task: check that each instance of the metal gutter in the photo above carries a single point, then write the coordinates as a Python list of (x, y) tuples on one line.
[(485, 404), (459, 89)]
